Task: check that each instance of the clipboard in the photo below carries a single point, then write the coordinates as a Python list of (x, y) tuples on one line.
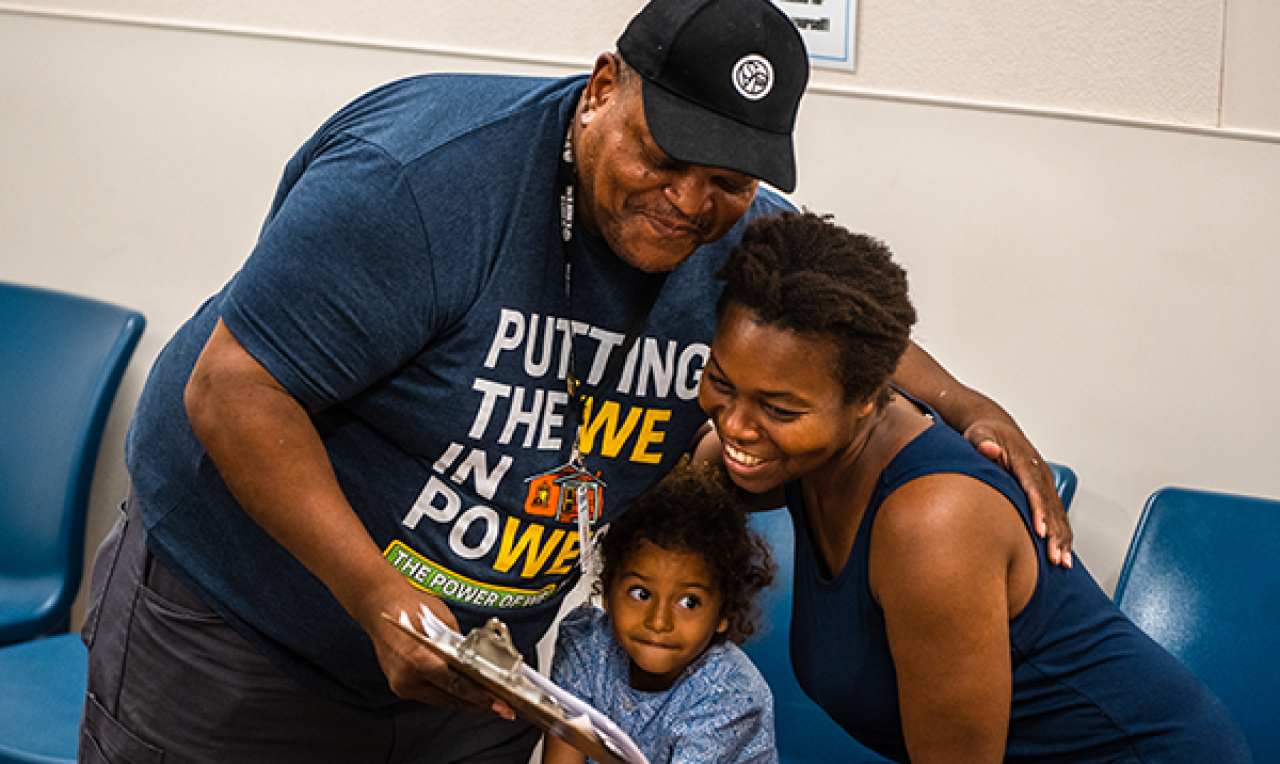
[(488, 657)]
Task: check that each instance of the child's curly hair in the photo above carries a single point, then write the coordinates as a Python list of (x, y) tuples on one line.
[(694, 509)]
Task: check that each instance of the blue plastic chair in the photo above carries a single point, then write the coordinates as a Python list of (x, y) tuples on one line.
[(61, 361), (42, 686), (1202, 578), (1064, 481), (805, 734)]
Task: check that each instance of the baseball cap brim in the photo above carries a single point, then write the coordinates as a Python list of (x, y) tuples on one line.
[(691, 133)]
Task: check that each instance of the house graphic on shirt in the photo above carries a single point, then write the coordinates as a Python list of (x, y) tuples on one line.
[(555, 493)]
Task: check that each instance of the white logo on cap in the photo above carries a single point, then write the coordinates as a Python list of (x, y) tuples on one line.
[(753, 76)]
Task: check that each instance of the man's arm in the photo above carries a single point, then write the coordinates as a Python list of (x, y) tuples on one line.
[(996, 436), (270, 455)]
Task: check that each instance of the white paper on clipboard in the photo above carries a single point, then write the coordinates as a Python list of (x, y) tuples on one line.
[(487, 656)]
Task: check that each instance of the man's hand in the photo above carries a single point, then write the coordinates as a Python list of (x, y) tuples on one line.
[(1008, 447), (412, 670)]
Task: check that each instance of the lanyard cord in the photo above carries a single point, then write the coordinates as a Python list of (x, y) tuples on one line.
[(567, 178)]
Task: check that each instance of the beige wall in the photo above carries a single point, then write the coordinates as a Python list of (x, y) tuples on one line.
[(1088, 196), (1195, 62)]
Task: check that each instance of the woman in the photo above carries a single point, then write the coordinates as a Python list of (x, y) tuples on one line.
[(927, 618)]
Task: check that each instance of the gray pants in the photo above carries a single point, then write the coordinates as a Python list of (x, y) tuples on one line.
[(170, 681)]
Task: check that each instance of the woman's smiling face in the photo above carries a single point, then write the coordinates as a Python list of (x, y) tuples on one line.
[(778, 409)]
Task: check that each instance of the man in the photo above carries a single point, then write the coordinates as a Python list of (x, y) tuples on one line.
[(381, 410)]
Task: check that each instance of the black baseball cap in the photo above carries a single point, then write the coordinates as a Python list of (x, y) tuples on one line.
[(722, 83)]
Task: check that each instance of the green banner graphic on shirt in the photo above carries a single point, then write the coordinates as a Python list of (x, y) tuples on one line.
[(440, 581)]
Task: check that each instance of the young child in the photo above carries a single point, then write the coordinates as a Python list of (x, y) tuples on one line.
[(678, 575)]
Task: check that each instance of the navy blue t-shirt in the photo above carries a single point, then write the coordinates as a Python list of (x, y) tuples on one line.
[(408, 288), (1088, 685)]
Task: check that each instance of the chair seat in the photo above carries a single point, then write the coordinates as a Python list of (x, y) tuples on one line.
[(43, 683), (29, 606)]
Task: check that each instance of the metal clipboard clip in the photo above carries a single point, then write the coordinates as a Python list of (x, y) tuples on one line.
[(488, 657)]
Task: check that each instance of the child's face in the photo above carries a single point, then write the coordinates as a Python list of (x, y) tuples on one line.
[(665, 608)]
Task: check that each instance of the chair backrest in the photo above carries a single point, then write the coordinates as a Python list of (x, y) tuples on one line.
[(805, 734), (1064, 481), (61, 361), (1202, 578)]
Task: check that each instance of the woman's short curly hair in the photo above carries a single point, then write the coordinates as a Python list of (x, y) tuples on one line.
[(695, 509), (805, 274)]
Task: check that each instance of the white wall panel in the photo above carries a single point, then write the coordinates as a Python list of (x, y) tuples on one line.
[(1144, 59), (1251, 66), (1113, 286)]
